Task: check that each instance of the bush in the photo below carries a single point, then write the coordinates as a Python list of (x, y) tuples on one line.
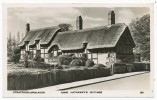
[(89, 63), (99, 66), (26, 60), (58, 66), (76, 62), (83, 59), (41, 65), (38, 58), (15, 56), (64, 60), (85, 56)]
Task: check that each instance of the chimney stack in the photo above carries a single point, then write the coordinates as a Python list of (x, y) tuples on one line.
[(79, 23), (27, 27), (111, 17)]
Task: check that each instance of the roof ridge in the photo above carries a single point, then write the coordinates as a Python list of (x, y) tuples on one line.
[(44, 28), (93, 28)]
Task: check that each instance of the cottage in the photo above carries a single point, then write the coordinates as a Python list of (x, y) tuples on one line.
[(104, 44)]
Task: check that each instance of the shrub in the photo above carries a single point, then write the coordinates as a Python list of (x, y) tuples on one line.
[(64, 60), (15, 56), (83, 59), (41, 65), (99, 65), (38, 58), (76, 62), (26, 60), (65, 66), (58, 66), (89, 63), (85, 56)]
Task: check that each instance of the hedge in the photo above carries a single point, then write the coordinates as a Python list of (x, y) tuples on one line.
[(121, 68), (141, 66), (27, 81), (42, 65), (30, 80)]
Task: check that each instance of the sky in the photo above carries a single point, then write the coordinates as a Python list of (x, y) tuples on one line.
[(40, 17)]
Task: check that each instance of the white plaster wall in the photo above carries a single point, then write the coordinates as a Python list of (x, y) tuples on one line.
[(102, 58), (22, 52)]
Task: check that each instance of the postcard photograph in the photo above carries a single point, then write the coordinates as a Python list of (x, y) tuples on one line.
[(78, 50)]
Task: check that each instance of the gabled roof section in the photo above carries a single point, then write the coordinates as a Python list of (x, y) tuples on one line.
[(42, 34), (98, 37)]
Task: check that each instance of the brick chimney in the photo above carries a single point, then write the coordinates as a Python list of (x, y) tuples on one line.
[(111, 17), (79, 23), (27, 27)]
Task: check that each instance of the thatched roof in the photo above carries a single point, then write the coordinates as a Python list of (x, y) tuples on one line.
[(42, 34), (99, 37)]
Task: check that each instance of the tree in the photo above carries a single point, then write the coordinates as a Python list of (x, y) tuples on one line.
[(18, 37), (140, 29), (15, 57), (9, 45), (65, 27)]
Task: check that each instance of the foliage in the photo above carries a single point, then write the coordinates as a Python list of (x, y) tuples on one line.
[(99, 65), (43, 78), (15, 56), (11, 45), (76, 62), (83, 59), (26, 60), (65, 27), (41, 65), (38, 58), (89, 63), (140, 29), (64, 59)]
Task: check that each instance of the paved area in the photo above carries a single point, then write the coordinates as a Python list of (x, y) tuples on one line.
[(117, 81), (137, 82)]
